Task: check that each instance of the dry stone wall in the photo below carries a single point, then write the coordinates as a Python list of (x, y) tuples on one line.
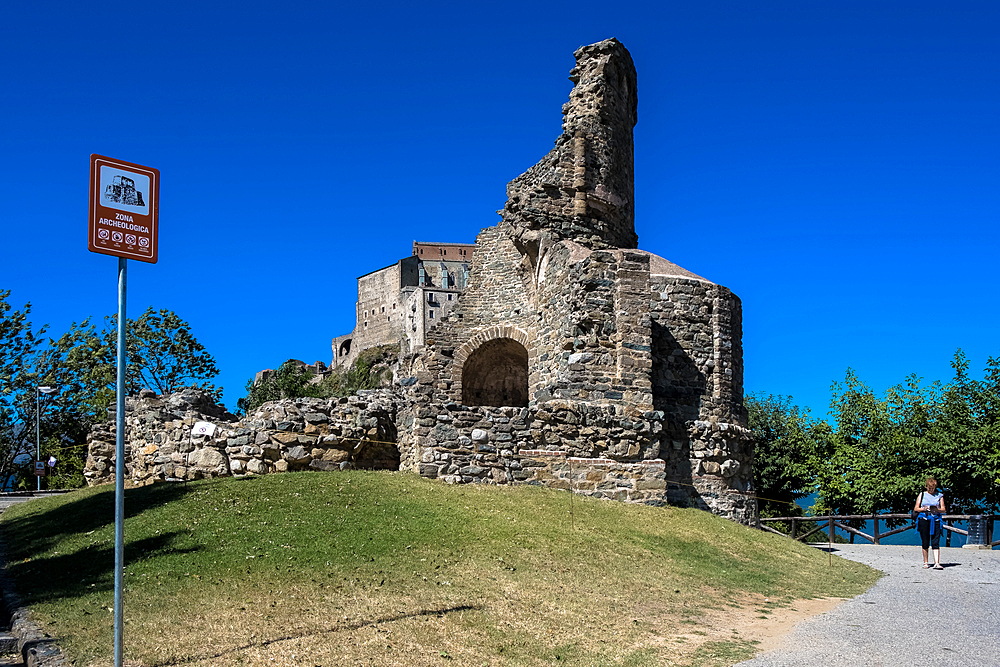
[(595, 337), (302, 434)]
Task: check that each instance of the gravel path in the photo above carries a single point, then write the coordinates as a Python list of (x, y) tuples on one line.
[(911, 616)]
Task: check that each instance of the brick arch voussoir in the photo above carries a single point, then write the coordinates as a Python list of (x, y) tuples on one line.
[(484, 336)]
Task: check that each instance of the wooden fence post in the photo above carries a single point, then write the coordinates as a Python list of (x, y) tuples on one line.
[(794, 525), (875, 535)]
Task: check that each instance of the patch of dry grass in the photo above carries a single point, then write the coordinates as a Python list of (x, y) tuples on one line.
[(389, 569)]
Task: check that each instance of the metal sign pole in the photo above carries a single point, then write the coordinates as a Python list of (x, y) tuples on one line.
[(124, 222), (120, 465), (38, 435)]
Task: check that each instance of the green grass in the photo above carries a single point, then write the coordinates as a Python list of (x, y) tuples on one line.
[(388, 568)]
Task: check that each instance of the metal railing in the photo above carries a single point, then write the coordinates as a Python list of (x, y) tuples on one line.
[(831, 522)]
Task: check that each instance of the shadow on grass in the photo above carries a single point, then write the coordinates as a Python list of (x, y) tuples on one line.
[(349, 627), (82, 572), (38, 531)]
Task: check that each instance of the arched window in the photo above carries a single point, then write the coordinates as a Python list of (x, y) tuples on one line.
[(496, 374)]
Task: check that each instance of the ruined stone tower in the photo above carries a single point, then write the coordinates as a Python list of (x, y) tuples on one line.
[(607, 357), (570, 358), (583, 189)]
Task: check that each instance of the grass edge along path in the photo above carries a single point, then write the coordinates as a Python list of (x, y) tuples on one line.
[(387, 568)]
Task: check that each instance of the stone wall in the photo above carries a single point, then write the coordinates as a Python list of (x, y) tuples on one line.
[(605, 451), (594, 341), (319, 434)]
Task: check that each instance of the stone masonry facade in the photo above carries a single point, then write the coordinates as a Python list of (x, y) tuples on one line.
[(571, 359), (398, 304)]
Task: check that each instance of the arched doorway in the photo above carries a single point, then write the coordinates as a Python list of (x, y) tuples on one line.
[(496, 374)]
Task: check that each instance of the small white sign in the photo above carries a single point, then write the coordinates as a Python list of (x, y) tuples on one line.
[(203, 428)]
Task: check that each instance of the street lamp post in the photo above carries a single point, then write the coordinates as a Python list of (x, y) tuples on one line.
[(38, 423)]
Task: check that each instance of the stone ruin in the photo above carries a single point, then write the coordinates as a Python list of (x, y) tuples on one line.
[(301, 434), (572, 359)]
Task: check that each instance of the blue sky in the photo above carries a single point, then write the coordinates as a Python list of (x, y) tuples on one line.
[(834, 164)]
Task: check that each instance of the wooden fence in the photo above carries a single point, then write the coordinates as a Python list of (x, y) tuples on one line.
[(832, 522)]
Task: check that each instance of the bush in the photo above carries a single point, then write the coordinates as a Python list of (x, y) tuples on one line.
[(291, 380)]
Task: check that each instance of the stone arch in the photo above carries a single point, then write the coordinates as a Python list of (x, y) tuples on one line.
[(492, 368)]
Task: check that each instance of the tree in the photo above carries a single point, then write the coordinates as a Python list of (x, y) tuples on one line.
[(291, 380), (883, 448), (19, 346), (962, 444), (785, 452), (29, 360), (870, 462), (162, 354)]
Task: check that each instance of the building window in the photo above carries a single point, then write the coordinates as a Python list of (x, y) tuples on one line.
[(431, 314), (430, 297), (450, 296), (383, 309)]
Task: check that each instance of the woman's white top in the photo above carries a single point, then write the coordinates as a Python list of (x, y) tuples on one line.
[(931, 499)]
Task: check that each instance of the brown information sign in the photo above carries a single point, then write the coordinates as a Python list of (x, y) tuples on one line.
[(124, 209)]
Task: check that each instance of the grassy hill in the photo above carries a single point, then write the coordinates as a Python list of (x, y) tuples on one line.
[(380, 568)]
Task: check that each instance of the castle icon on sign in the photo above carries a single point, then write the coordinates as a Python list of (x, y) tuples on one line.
[(122, 191)]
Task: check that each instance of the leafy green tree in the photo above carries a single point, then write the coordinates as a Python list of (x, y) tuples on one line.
[(870, 462), (19, 346), (162, 354), (81, 363), (290, 381), (785, 452), (883, 448), (61, 421), (961, 446)]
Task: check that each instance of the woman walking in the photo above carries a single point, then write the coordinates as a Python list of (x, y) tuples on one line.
[(930, 505)]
